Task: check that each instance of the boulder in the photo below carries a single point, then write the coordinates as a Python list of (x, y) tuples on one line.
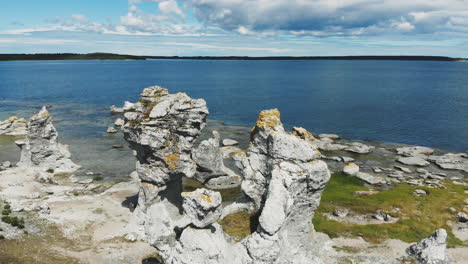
[(229, 142), (224, 182), (41, 149), (128, 106), (13, 126), (413, 161), (462, 217), (351, 169), (202, 207), (359, 148), (119, 122), (432, 250), (209, 159), (116, 110), (451, 161), (369, 178), (341, 212), (382, 217), (377, 170), (5, 165), (111, 130), (419, 192), (347, 159)]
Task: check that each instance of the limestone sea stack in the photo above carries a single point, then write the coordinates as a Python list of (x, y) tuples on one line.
[(283, 185), (41, 149), (284, 180)]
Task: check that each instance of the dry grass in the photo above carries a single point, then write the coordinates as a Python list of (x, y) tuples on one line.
[(38, 249)]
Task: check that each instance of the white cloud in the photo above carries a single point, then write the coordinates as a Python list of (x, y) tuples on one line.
[(170, 7), (38, 41), (333, 17)]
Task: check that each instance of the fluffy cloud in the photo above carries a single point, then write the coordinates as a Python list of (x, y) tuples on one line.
[(333, 17), (169, 8), (169, 20)]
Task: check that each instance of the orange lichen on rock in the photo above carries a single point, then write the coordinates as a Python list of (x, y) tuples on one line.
[(206, 198), (268, 118), (172, 161)]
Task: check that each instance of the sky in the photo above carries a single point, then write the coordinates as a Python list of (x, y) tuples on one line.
[(236, 27)]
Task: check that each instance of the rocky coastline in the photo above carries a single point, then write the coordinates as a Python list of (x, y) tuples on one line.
[(189, 181)]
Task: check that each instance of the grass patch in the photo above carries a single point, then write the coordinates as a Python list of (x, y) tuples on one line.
[(98, 211), (419, 216), (239, 225), (37, 248), (98, 178)]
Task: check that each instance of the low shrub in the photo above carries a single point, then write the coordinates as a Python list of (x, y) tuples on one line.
[(6, 219), (98, 178), (14, 221), (7, 206), (6, 211)]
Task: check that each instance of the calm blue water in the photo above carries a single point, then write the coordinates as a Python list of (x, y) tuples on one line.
[(421, 103)]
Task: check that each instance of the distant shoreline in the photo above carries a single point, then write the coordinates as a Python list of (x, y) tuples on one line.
[(111, 56)]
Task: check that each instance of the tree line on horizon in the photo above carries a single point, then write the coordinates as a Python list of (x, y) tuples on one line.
[(112, 56)]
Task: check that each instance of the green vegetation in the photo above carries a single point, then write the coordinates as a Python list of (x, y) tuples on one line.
[(419, 216), (37, 249), (98, 178), (6, 219), (12, 220), (239, 225), (98, 211), (6, 211), (69, 56)]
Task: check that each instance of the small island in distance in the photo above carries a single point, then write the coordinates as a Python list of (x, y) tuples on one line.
[(112, 56)]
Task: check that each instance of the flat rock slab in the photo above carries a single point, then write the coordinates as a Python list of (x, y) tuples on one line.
[(415, 151), (451, 161), (369, 178), (413, 161), (359, 148)]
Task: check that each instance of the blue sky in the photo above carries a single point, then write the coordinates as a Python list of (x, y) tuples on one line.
[(236, 27)]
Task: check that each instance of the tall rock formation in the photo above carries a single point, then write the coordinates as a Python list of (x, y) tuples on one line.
[(284, 181), (40, 149), (162, 128), (283, 185)]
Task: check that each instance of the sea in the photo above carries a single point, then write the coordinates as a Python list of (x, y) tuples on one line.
[(408, 102)]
